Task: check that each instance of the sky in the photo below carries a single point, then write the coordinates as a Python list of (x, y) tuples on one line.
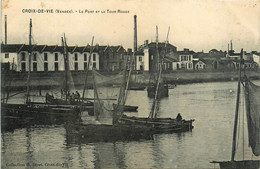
[(200, 25)]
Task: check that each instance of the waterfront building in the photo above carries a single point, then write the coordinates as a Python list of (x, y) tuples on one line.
[(256, 58), (46, 58), (185, 59), (146, 55), (112, 58), (199, 64)]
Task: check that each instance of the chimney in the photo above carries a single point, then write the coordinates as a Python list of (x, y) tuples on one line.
[(135, 34), (228, 47), (5, 29), (231, 45)]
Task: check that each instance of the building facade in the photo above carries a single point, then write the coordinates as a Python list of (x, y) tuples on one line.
[(49, 58)]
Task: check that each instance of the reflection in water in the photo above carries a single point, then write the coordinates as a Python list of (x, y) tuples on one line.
[(210, 104)]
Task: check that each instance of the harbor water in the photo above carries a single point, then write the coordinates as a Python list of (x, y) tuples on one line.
[(212, 105)]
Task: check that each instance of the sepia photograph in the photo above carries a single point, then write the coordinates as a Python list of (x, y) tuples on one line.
[(130, 84)]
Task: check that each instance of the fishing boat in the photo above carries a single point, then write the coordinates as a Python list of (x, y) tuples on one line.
[(67, 96), (152, 121), (252, 100), (15, 114), (155, 73)]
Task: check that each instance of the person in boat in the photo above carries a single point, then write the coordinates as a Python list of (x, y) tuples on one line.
[(77, 96), (179, 117)]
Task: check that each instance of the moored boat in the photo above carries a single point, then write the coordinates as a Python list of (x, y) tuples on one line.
[(252, 102)]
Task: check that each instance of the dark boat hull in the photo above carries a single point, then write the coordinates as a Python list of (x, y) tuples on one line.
[(246, 164), (128, 108), (106, 133), (86, 106), (136, 88), (162, 92), (159, 125), (21, 115)]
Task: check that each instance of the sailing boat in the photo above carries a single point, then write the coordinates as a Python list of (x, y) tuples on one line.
[(154, 123), (252, 100), (155, 73), (15, 114), (67, 97)]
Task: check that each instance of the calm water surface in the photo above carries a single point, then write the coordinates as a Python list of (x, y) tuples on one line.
[(212, 106)]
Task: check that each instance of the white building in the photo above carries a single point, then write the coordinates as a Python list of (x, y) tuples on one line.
[(49, 58), (256, 59), (142, 60)]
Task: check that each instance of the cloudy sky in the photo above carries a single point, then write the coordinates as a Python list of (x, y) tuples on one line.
[(194, 24)]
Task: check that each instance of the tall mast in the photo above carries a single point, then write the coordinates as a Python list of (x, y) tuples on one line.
[(155, 100), (236, 111), (65, 66), (29, 64), (89, 59)]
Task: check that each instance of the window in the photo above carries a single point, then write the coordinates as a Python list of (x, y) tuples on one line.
[(85, 57), (76, 67), (140, 58), (189, 57), (85, 65), (45, 56), (56, 67), (34, 56), (7, 55), (94, 57), (76, 56), (23, 56), (94, 65), (56, 57), (45, 67), (35, 67), (23, 67)]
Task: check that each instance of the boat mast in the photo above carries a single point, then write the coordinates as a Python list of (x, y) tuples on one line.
[(65, 66), (236, 111), (155, 100), (89, 59), (29, 66)]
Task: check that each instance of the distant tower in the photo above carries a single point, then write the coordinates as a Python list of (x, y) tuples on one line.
[(135, 34), (5, 29)]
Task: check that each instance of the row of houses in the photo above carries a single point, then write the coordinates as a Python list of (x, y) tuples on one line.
[(190, 60), (50, 58), (114, 58)]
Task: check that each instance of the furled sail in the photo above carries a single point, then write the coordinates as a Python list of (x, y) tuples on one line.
[(105, 95), (253, 115)]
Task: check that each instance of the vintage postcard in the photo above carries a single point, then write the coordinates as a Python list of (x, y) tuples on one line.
[(130, 84)]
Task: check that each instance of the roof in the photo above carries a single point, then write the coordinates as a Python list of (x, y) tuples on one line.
[(170, 59), (186, 52), (12, 48), (55, 48), (161, 45)]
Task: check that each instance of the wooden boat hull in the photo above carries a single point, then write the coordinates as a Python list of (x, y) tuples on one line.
[(20, 115), (157, 125), (89, 133), (164, 92), (86, 106), (128, 108), (106, 133), (246, 164), (136, 88)]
